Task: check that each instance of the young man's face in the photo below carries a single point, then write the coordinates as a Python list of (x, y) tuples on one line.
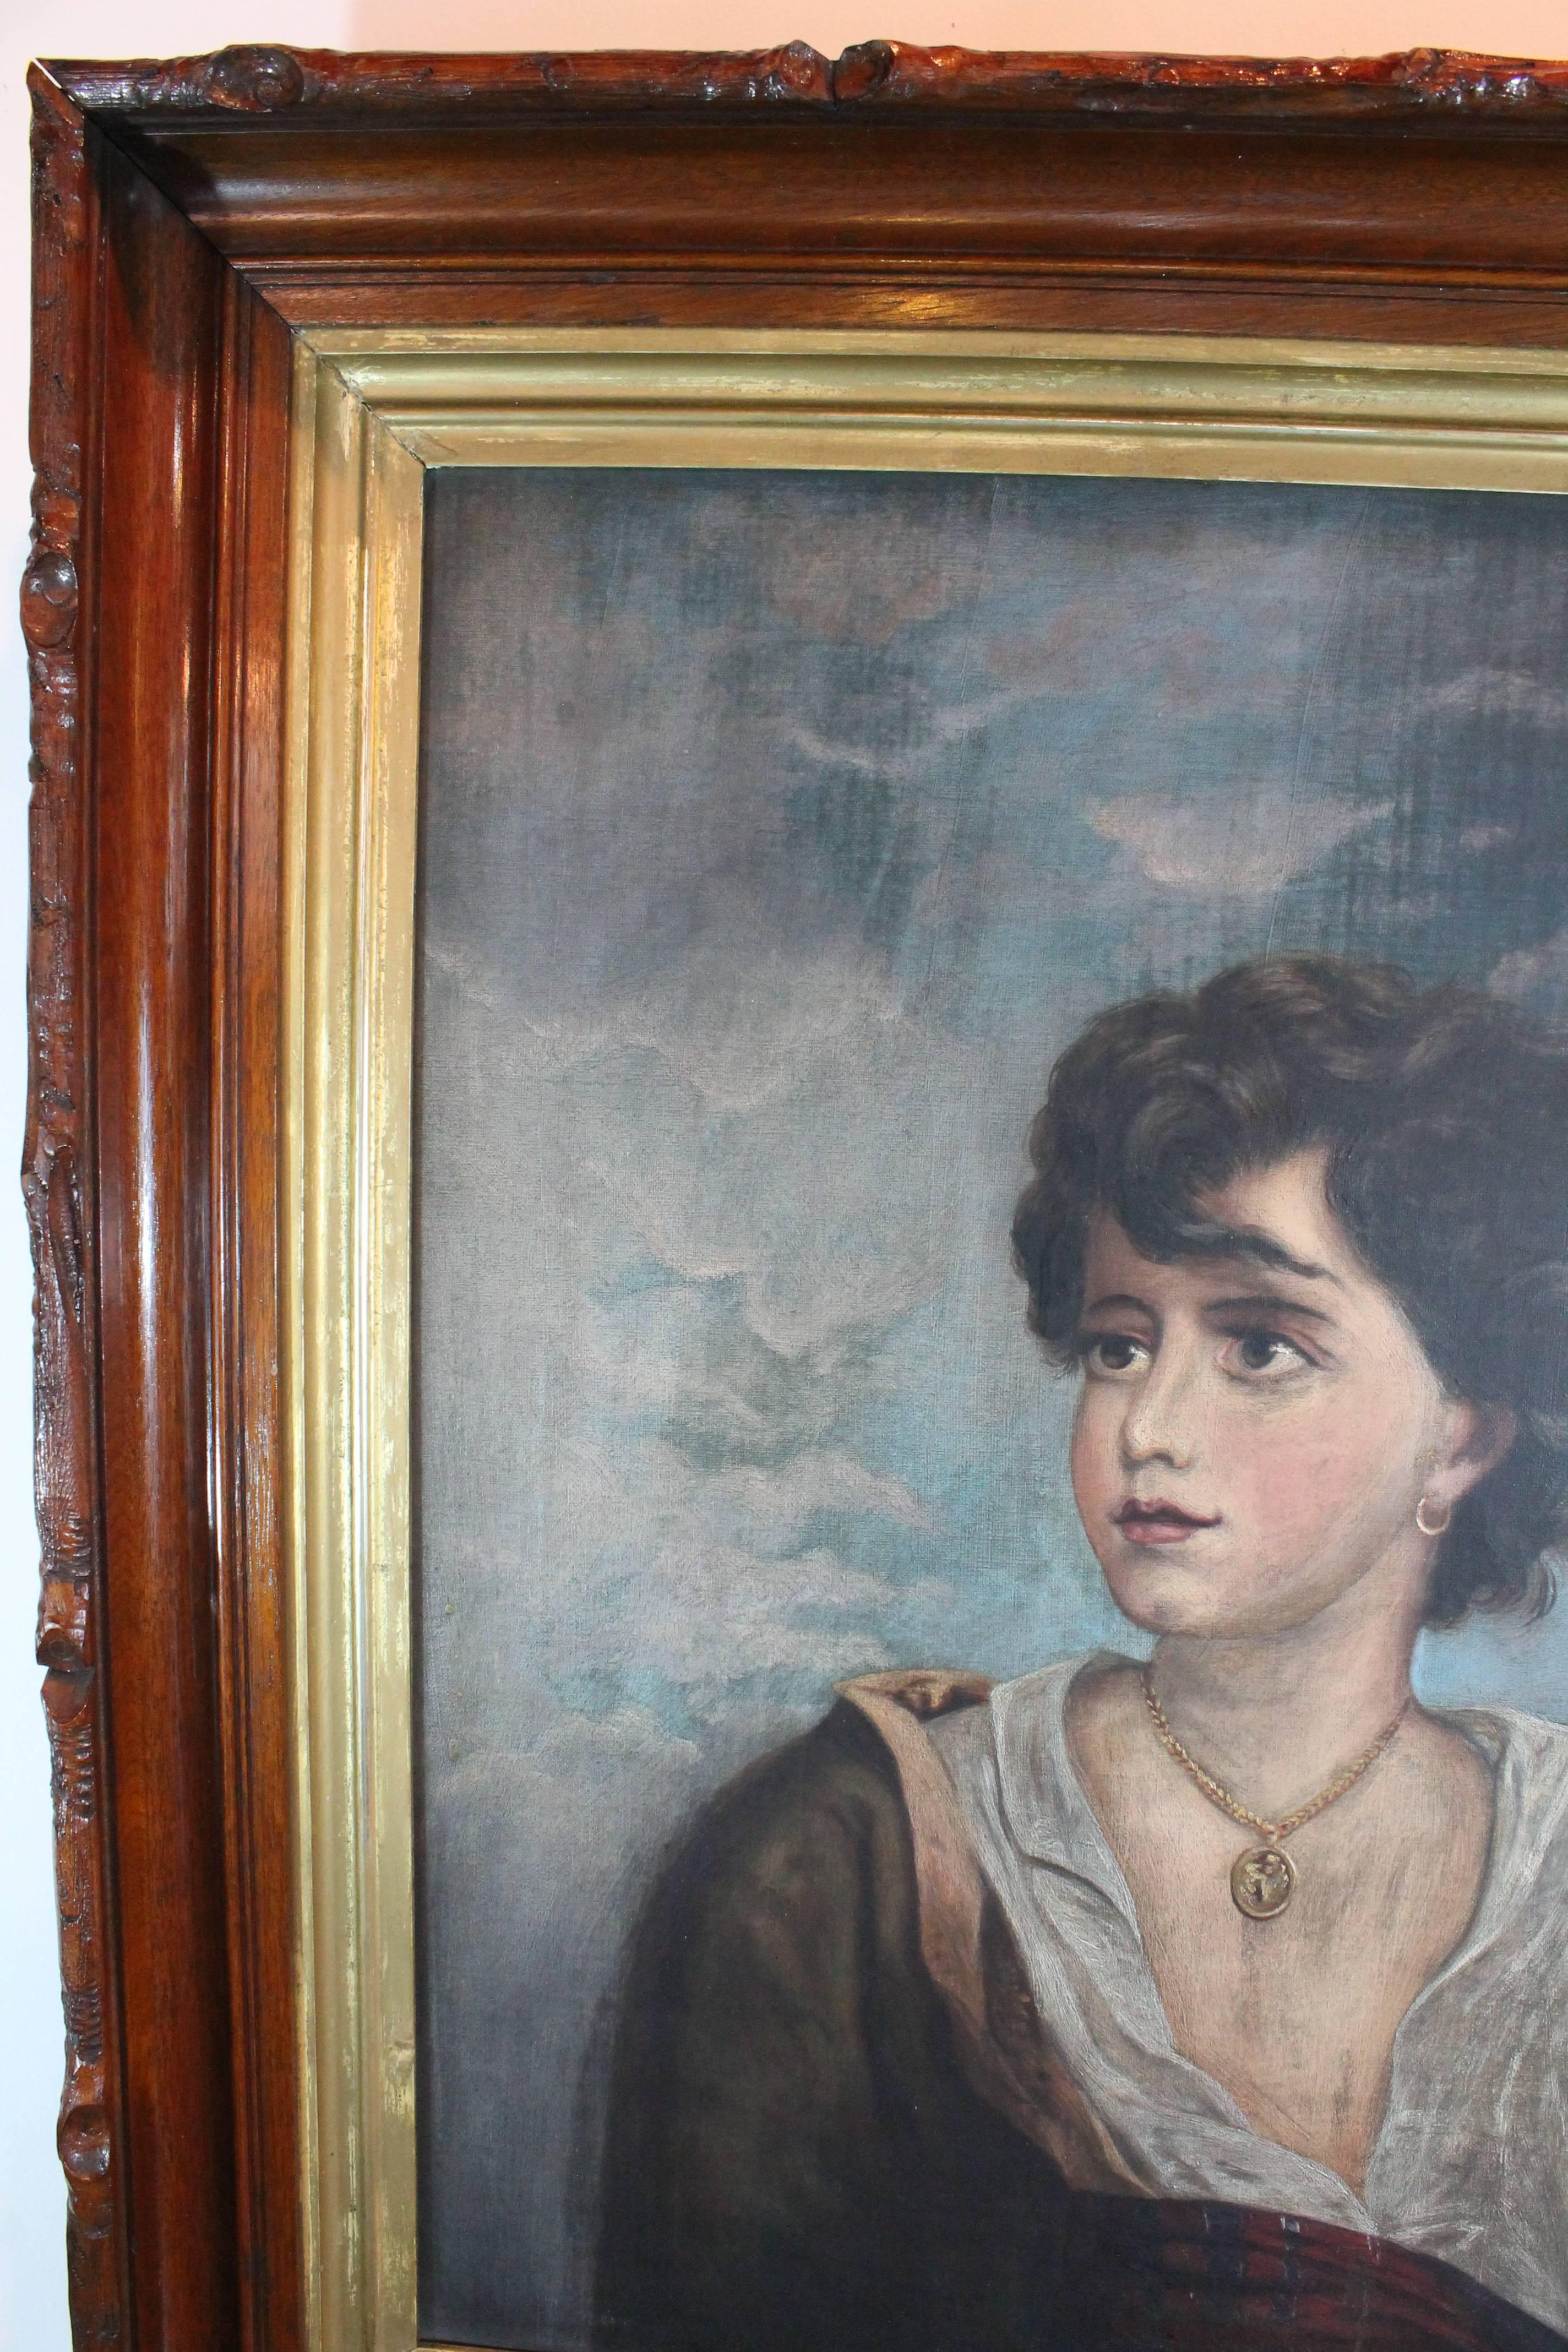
[(1252, 1438)]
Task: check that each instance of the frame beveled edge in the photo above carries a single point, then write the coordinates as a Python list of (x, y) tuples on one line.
[(372, 412)]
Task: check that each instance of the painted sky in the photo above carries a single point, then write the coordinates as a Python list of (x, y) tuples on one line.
[(777, 832)]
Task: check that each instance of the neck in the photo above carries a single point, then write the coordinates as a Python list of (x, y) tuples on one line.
[(1275, 1715)]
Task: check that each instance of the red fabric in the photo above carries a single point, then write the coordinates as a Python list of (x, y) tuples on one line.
[(1160, 2276)]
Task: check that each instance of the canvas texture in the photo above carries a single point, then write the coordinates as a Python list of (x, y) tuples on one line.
[(777, 831)]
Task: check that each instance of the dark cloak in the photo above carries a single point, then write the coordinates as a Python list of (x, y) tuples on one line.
[(837, 2120)]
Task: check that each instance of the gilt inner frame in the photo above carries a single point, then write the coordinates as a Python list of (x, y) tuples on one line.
[(372, 410)]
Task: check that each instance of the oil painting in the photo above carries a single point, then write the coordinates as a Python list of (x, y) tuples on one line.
[(991, 1413)]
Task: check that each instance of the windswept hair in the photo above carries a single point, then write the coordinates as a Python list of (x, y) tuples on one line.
[(1443, 1113)]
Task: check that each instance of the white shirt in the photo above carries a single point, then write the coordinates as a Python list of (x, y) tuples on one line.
[(1471, 2162)]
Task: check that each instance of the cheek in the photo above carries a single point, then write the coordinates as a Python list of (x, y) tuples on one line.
[(1094, 1455), (1331, 1465)]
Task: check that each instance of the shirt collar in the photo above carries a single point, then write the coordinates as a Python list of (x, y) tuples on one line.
[(1043, 1802), (1051, 1820), (1529, 1759)]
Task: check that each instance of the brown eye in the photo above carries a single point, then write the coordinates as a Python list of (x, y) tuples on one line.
[(1264, 1352), (1109, 1352)]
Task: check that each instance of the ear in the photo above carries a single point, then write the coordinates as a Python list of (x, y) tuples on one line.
[(1474, 1440)]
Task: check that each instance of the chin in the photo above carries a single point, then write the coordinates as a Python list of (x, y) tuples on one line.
[(1165, 1592), (1159, 1596), (1159, 1599)]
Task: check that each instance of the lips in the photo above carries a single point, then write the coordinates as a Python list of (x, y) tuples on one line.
[(1159, 1522)]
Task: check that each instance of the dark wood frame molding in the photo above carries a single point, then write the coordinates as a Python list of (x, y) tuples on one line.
[(189, 216)]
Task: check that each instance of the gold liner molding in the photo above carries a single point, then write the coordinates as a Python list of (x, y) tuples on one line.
[(349, 844), (372, 410), (1172, 406)]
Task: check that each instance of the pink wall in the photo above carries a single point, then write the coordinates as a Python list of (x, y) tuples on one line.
[(1247, 28)]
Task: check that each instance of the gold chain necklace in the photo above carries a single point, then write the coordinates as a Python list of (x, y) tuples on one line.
[(1263, 1878)]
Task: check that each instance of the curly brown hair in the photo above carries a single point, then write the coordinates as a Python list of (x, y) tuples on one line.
[(1443, 1113)]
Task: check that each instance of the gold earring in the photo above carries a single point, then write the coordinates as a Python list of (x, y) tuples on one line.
[(1421, 1519)]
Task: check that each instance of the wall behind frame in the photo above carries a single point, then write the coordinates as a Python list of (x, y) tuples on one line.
[(32, 2203)]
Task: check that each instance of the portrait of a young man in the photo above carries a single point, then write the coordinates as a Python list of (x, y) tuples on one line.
[(991, 1302)]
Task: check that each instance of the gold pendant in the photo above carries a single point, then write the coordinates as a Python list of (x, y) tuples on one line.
[(1262, 1881)]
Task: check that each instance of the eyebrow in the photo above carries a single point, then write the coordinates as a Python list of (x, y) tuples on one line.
[(1243, 1242), (1253, 1302), (1121, 1298)]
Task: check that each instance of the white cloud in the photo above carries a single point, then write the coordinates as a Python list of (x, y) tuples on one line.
[(791, 1124), (1504, 693), (944, 726), (630, 1564), (532, 1047), (1529, 968), (1244, 843), (744, 1018), (705, 1617), (768, 1509), (898, 767)]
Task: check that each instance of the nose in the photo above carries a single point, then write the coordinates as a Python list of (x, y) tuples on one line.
[(1159, 1423)]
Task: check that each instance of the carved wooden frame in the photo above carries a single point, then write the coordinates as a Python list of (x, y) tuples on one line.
[(192, 218)]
